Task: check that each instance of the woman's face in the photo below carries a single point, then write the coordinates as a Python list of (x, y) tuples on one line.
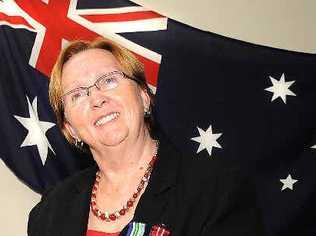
[(104, 117)]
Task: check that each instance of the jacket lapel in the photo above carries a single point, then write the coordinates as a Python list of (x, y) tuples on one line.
[(152, 207), (77, 209)]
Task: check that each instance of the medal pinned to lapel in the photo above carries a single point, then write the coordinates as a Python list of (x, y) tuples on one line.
[(159, 230), (142, 229)]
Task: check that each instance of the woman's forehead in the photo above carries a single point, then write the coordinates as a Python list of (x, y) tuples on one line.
[(89, 59), (88, 65)]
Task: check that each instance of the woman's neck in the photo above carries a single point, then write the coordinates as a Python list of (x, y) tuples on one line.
[(125, 160)]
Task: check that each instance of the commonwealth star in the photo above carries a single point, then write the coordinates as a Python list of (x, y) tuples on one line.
[(207, 140), (36, 131), (280, 88)]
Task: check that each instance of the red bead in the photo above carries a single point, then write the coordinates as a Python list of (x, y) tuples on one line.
[(135, 195), (94, 188), (142, 182), (146, 175), (93, 195), (102, 216), (95, 211), (130, 203), (93, 203), (112, 217), (122, 212)]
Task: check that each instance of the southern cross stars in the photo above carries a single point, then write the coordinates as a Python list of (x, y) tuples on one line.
[(36, 130), (207, 140), (288, 182), (280, 88)]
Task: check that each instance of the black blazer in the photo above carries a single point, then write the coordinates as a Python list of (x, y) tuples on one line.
[(190, 196)]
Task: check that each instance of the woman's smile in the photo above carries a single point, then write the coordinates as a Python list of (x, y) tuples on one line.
[(106, 119)]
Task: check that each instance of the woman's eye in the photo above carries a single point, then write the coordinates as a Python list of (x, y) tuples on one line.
[(109, 82), (76, 95)]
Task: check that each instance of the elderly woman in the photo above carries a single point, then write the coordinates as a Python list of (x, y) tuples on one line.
[(140, 185)]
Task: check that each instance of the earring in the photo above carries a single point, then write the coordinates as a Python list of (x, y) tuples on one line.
[(147, 112), (78, 143)]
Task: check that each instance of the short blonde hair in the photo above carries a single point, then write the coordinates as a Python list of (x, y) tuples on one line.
[(129, 63)]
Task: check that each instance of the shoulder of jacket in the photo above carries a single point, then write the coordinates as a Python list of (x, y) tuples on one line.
[(68, 184)]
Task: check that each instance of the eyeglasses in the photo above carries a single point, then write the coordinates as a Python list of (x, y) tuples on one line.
[(106, 82)]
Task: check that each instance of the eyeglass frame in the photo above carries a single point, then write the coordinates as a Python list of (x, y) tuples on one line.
[(124, 75)]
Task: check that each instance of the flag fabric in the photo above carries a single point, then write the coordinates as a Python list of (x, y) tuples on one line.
[(216, 98), (227, 99)]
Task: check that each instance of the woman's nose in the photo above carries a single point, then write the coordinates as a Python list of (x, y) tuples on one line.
[(97, 98)]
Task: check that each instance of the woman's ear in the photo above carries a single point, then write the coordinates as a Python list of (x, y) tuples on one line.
[(71, 130), (145, 98)]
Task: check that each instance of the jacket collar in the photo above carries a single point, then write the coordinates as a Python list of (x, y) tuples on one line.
[(164, 174), (85, 184)]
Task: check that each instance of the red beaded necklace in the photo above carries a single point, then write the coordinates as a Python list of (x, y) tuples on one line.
[(106, 216)]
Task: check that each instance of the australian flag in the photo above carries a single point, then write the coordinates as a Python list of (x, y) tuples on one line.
[(216, 98)]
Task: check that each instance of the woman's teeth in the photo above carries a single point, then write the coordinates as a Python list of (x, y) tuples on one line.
[(106, 118)]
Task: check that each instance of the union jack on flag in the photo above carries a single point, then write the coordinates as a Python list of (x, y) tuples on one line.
[(216, 98), (57, 22)]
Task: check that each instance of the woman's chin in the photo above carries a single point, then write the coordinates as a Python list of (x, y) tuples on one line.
[(113, 139)]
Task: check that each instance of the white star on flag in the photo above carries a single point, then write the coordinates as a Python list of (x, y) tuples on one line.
[(280, 88), (288, 182), (36, 131), (207, 140)]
